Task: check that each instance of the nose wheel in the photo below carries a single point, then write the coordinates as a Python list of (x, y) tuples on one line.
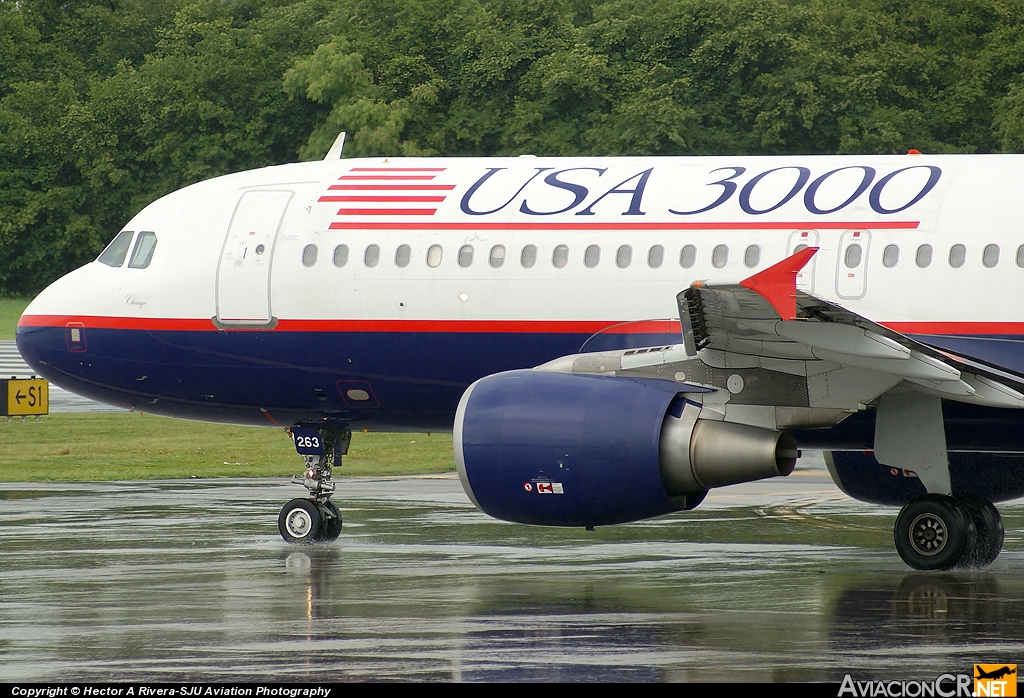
[(940, 532), (315, 518), (299, 521), (330, 527), (303, 522)]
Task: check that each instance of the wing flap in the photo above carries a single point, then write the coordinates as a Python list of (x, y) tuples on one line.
[(766, 316)]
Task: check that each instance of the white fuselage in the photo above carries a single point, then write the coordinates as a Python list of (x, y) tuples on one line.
[(412, 246)]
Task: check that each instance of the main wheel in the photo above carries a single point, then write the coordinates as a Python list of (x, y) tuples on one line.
[(330, 527), (299, 522), (989, 525), (932, 532)]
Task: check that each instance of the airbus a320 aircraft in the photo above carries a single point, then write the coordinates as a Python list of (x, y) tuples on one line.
[(609, 337)]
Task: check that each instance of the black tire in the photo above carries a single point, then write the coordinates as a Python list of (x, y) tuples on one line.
[(932, 532), (330, 526), (989, 526), (299, 522)]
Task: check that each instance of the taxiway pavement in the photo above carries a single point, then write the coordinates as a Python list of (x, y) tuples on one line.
[(785, 579)]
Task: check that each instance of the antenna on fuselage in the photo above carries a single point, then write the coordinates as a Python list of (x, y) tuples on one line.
[(335, 152)]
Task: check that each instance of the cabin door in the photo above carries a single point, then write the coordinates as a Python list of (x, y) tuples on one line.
[(243, 273)]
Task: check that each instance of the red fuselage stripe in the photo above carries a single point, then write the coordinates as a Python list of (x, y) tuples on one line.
[(957, 328), (488, 326)]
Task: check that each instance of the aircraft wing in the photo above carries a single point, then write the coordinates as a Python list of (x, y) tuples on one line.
[(766, 316)]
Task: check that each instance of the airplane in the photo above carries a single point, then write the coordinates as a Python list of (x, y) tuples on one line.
[(996, 674), (608, 338)]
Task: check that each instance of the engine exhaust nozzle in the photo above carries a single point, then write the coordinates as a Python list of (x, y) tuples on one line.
[(702, 454)]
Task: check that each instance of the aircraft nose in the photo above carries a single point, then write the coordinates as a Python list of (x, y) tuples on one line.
[(37, 339), (53, 342)]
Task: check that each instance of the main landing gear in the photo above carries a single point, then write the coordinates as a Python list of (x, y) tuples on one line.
[(935, 531), (941, 532), (315, 518)]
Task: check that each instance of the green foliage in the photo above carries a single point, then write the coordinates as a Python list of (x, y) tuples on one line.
[(106, 105), (155, 96)]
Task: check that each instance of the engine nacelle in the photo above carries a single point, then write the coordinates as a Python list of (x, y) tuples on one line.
[(562, 449)]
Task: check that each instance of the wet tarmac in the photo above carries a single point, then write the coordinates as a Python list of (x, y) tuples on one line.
[(189, 581)]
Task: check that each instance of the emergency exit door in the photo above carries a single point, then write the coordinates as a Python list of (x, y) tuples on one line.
[(852, 265), (798, 240), (243, 273)]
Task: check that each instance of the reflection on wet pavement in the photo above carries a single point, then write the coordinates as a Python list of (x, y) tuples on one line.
[(189, 580)]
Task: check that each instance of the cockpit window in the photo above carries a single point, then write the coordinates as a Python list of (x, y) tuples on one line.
[(117, 250), (142, 255)]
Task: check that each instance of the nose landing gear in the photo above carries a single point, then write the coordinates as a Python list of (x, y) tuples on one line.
[(315, 518), (941, 532)]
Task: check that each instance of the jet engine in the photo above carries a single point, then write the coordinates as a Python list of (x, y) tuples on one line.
[(561, 449)]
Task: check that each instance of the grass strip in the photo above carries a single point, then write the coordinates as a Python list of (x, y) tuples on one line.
[(10, 310), (132, 446)]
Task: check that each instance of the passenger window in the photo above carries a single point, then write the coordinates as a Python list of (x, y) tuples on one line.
[(309, 255), (687, 256), (465, 256), (623, 256), (529, 256), (655, 256), (341, 255), (719, 256), (751, 256), (142, 255), (117, 250), (958, 255), (560, 257), (591, 256), (990, 256), (853, 256), (434, 256), (1020, 256), (923, 258), (372, 256), (497, 256), (402, 256), (890, 256), (799, 248)]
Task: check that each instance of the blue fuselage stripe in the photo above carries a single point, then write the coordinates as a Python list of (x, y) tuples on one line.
[(374, 380)]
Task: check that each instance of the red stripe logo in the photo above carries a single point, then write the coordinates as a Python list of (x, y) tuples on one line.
[(385, 199), (631, 225), (391, 187), (397, 169), (404, 177), (386, 212), (366, 186)]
